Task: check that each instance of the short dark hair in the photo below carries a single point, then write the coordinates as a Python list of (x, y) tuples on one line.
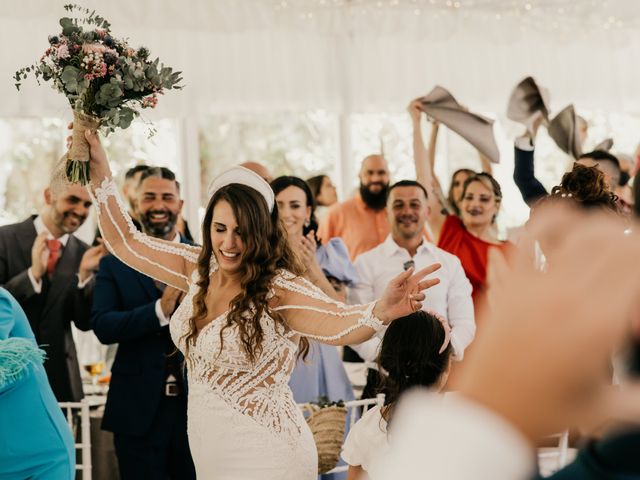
[(601, 156), (133, 170), (160, 172), (408, 183)]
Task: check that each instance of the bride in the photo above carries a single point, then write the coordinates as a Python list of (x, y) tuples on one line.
[(245, 312)]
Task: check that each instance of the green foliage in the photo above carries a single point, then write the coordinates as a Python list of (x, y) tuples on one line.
[(70, 79), (109, 95)]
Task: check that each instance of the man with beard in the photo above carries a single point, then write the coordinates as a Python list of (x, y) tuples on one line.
[(46, 268), (406, 247), (147, 403), (361, 221)]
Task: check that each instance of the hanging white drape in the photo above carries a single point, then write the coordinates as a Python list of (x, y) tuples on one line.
[(249, 55)]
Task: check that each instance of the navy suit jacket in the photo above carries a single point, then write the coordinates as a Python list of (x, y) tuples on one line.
[(124, 313), (524, 177)]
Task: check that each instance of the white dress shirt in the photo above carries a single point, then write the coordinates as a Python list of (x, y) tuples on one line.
[(451, 298)]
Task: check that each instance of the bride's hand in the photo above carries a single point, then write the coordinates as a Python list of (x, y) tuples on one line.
[(99, 163), (404, 293)]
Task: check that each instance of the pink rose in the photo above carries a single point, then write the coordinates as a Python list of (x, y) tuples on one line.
[(63, 51), (93, 48)]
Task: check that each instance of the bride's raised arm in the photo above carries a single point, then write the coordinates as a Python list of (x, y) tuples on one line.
[(169, 262), (309, 312)]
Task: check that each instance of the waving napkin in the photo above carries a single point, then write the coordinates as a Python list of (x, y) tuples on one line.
[(526, 100), (606, 145), (440, 105), (564, 131)]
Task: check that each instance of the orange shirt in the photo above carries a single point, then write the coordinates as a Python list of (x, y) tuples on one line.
[(361, 227)]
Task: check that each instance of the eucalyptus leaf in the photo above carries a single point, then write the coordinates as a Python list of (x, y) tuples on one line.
[(126, 117), (70, 78), (109, 95), (68, 27)]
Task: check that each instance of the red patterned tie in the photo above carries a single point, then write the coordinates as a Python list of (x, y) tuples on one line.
[(54, 255)]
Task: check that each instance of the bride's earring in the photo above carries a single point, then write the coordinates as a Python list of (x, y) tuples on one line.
[(307, 222)]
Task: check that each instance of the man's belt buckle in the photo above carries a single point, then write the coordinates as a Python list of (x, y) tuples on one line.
[(171, 390)]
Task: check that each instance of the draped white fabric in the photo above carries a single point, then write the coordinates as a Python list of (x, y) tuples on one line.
[(255, 55)]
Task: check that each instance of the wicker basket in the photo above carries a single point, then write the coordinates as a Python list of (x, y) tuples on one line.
[(327, 426)]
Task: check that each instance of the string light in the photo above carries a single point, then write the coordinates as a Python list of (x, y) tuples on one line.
[(523, 15)]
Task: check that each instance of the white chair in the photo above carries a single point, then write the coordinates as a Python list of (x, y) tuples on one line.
[(552, 459), (85, 428)]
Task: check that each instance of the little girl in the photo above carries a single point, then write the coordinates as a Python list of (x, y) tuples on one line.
[(415, 352)]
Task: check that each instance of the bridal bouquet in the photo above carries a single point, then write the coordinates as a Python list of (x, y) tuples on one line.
[(105, 80)]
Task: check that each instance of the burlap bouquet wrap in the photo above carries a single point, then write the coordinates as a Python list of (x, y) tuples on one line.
[(77, 168), (327, 425), (80, 147)]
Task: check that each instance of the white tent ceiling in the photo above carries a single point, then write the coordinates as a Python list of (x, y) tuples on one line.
[(353, 55)]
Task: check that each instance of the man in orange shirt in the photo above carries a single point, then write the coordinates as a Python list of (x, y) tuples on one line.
[(361, 221)]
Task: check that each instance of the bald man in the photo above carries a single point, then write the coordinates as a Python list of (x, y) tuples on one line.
[(361, 221), (259, 169)]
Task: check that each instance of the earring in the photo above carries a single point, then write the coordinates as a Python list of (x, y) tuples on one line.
[(307, 222)]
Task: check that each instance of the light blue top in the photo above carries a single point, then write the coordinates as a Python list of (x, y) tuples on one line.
[(333, 258), (35, 440)]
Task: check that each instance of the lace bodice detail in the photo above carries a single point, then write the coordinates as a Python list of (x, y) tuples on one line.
[(260, 389)]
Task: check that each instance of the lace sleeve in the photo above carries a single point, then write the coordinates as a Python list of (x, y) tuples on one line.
[(310, 312), (168, 262)]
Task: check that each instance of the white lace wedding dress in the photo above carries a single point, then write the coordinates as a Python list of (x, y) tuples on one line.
[(243, 423)]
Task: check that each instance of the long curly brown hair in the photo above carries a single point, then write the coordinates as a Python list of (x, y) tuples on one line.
[(266, 251)]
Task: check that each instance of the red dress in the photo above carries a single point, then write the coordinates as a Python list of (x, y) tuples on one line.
[(472, 252)]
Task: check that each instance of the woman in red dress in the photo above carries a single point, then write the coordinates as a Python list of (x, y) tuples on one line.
[(471, 235), (470, 231)]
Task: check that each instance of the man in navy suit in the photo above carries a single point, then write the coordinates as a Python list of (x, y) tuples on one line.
[(147, 402)]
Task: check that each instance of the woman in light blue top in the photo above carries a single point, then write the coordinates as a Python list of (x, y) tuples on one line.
[(320, 373), (35, 440)]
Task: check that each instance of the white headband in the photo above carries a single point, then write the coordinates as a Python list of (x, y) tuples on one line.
[(243, 176)]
